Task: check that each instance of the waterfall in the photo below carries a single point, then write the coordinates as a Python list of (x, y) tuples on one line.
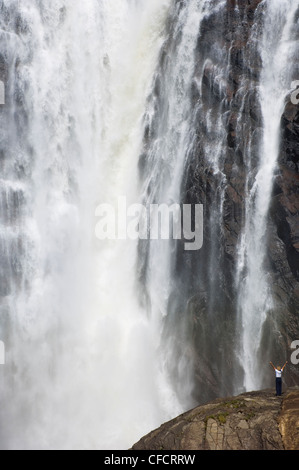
[(147, 102), (80, 354), (277, 49), (212, 135), (169, 137)]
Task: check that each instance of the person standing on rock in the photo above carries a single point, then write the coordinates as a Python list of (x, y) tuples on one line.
[(278, 372)]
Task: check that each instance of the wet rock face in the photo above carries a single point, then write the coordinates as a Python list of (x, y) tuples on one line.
[(251, 421), (283, 252), (287, 186), (226, 84), (222, 163), (228, 131)]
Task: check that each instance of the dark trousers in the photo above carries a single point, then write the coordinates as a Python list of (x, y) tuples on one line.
[(278, 385)]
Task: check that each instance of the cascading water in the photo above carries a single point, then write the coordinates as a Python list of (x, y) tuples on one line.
[(77, 79), (277, 51), (218, 145), (168, 139), (161, 102)]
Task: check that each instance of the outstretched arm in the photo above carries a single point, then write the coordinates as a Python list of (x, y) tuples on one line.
[(284, 365), (271, 364)]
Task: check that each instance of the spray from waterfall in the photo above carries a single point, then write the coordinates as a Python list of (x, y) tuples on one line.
[(80, 352)]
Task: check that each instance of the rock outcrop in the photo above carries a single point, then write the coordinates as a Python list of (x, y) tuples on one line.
[(251, 421), (289, 420)]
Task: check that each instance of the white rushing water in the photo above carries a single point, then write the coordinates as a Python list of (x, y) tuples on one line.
[(277, 50), (81, 365), (172, 136)]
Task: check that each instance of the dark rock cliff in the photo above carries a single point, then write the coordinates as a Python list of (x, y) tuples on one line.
[(227, 74), (283, 247), (251, 421), (228, 123)]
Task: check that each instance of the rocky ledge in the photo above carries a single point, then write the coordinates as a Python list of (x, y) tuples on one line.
[(251, 421)]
